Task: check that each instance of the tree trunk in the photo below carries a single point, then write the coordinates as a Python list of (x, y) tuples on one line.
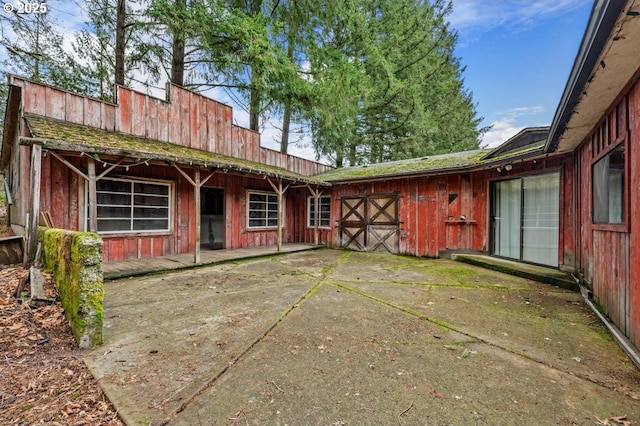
[(178, 49), (120, 41), (254, 103), (286, 119)]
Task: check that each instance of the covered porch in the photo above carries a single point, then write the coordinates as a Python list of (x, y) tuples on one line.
[(129, 268)]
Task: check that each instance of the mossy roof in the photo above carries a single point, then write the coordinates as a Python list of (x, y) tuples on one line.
[(432, 165), (435, 163), (65, 136)]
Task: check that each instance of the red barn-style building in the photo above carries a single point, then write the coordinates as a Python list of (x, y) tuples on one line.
[(158, 177)]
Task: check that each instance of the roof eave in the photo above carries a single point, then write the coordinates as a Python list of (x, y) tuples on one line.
[(529, 155), (89, 149), (602, 20)]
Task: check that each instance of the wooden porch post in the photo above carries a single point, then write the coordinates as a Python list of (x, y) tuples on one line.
[(279, 190), (316, 215), (280, 198), (197, 183), (93, 198), (34, 203), (196, 196)]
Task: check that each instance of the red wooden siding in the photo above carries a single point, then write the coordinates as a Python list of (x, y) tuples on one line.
[(634, 207), (608, 257), (430, 222), (189, 119)]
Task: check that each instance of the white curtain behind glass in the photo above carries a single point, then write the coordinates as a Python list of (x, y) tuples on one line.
[(540, 219), (507, 218)]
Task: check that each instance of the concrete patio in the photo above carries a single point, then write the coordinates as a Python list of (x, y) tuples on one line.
[(347, 338)]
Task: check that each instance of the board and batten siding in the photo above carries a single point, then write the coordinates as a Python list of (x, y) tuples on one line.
[(430, 209), (609, 256), (186, 118)]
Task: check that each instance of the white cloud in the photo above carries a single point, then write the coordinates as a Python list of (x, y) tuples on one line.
[(473, 16), (508, 125), (500, 132)]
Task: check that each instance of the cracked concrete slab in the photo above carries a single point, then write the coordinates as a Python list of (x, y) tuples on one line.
[(335, 337)]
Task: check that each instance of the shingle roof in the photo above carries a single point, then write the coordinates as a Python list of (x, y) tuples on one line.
[(65, 136)]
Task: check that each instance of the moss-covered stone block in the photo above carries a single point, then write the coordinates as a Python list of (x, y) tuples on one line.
[(75, 261)]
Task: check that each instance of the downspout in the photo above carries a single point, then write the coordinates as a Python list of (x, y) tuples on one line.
[(622, 340)]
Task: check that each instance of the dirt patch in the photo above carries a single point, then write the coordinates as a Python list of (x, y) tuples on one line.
[(42, 376)]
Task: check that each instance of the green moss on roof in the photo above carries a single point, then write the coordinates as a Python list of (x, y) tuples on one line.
[(62, 135), (435, 163)]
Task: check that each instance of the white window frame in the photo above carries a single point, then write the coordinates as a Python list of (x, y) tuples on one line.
[(324, 216), (132, 206), (268, 209)]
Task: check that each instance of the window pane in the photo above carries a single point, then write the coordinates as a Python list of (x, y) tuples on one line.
[(113, 212), (507, 218), (151, 188), (105, 225), (151, 213), (256, 222), (616, 200), (143, 200), (608, 188), (113, 185), (540, 219), (600, 191), (150, 225), (113, 199)]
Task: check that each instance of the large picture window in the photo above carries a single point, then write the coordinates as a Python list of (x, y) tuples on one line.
[(608, 187), (324, 212), (126, 206), (262, 210)]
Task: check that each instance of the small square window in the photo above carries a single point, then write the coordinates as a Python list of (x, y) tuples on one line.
[(262, 210), (323, 214)]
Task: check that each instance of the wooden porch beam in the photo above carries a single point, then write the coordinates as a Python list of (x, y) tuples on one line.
[(68, 164), (186, 176), (106, 172)]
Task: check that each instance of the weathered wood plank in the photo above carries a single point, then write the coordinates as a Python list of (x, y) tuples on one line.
[(74, 108), (139, 114), (125, 102)]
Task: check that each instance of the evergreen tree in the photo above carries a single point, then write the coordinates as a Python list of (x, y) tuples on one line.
[(115, 47), (34, 49), (388, 84)]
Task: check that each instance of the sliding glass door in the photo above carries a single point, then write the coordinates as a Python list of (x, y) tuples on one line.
[(525, 215)]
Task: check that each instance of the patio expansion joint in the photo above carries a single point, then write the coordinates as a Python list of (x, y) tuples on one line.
[(210, 382), (445, 326)]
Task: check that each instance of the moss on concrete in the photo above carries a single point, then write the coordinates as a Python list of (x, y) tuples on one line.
[(523, 270), (75, 260)]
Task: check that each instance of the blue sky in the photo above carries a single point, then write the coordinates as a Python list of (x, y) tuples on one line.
[(518, 55)]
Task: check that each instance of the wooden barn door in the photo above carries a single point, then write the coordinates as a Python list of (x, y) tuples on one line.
[(370, 223)]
